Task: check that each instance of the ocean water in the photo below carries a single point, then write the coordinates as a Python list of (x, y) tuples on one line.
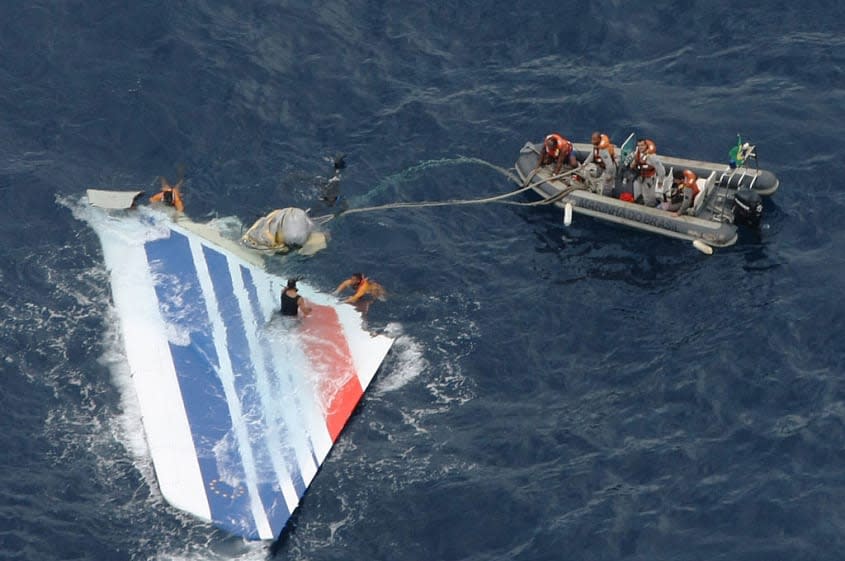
[(580, 393)]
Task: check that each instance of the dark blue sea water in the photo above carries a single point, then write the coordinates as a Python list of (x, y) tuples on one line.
[(581, 393)]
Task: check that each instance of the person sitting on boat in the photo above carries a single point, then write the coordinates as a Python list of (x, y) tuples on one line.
[(170, 195), (557, 149), (685, 193), (681, 194), (362, 287), (650, 172), (603, 156), (292, 302)]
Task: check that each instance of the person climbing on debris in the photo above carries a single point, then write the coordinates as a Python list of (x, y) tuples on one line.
[(292, 302), (362, 287), (170, 195)]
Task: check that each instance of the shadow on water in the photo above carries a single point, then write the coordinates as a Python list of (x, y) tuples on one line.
[(753, 245), (595, 250), (279, 543)]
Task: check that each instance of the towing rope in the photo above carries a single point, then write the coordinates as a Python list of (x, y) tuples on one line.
[(501, 199)]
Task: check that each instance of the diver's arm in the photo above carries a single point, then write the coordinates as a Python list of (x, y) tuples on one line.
[(303, 306), (377, 290), (362, 290), (559, 161), (343, 286), (177, 200)]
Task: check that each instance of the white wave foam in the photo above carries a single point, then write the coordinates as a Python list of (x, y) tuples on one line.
[(406, 361), (182, 540)]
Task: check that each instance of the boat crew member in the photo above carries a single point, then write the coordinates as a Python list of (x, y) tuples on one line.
[(362, 286), (557, 149), (650, 172), (687, 190), (603, 156), (682, 188), (170, 195), (292, 302)]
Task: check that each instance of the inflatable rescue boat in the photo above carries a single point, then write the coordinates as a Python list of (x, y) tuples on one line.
[(728, 196)]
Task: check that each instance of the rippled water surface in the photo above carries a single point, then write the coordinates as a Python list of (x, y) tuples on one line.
[(554, 393)]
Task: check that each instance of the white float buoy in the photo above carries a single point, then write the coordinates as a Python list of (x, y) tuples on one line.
[(702, 247), (567, 214)]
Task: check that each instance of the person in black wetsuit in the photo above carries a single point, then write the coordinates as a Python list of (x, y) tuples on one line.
[(331, 190), (292, 302)]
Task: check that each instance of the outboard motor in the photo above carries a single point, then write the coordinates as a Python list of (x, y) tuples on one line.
[(748, 207)]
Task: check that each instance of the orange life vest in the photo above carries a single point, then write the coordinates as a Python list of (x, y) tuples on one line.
[(363, 286), (604, 144), (690, 178), (643, 167), (555, 144)]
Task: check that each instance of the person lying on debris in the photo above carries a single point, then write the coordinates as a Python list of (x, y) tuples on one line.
[(170, 195)]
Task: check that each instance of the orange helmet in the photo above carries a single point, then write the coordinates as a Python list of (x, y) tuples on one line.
[(650, 146), (689, 177), (604, 143)]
